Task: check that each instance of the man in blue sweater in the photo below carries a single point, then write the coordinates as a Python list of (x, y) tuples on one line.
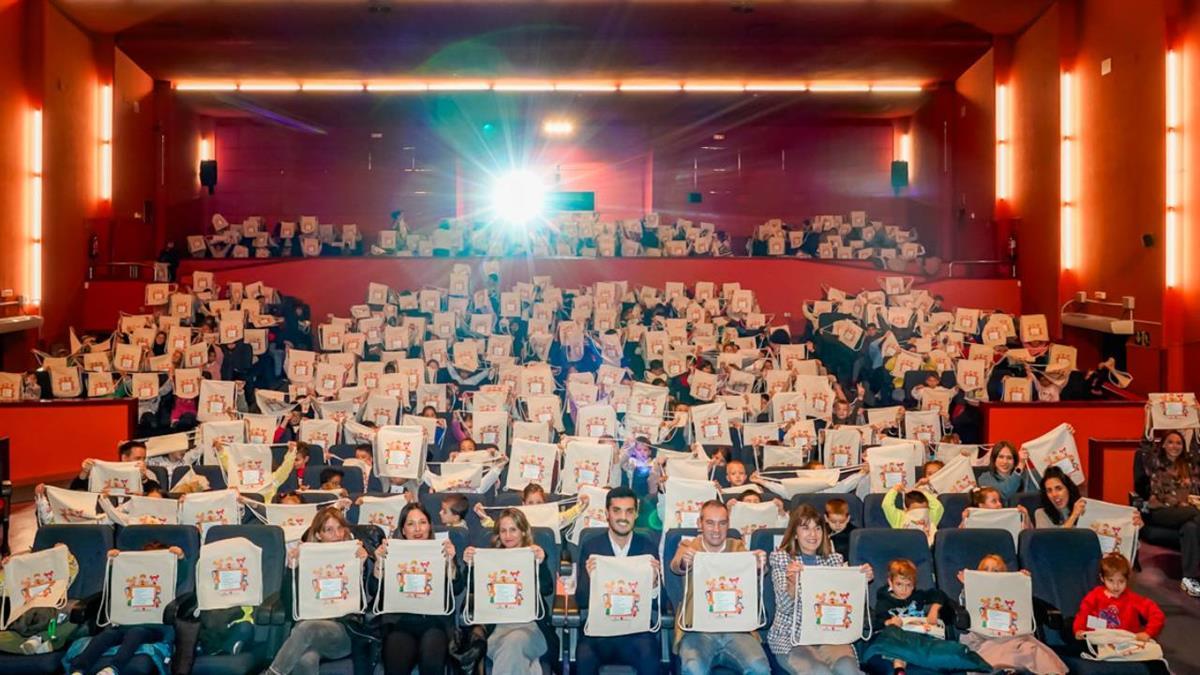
[(640, 650)]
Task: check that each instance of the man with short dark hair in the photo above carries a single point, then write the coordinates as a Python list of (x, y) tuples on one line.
[(640, 650), (129, 451)]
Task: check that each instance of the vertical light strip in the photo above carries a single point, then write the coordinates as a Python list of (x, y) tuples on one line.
[(906, 149), (1067, 174), (1003, 143), (35, 207), (1174, 187), (204, 149), (104, 126)]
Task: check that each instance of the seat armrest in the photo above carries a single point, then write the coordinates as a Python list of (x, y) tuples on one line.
[(271, 612), (171, 611), (958, 615), (1048, 615), (84, 610)]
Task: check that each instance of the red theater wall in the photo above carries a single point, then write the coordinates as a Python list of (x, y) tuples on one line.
[(133, 160), (14, 109), (345, 176)]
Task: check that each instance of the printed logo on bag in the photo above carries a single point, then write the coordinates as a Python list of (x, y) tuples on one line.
[(215, 404), (206, 519), (533, 467), (330, 583), (1110, 534), (37, 586), (143, 592), (398, 453), (115, 486), (381, 519), (820, 401), (415, 579), (596, 426), (724, 596), (489, 433), (789, 411), (687, 512), (892, 473), (999, 615), (833, 610), (66, 383), (1064, 459), (923, 432), (505, 589), (587, 472), (840, 455)]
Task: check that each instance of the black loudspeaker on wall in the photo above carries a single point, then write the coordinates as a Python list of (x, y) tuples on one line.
[(208, 174)]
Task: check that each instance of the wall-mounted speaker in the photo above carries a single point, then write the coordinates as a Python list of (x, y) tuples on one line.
[(695, 197), (208, 174)]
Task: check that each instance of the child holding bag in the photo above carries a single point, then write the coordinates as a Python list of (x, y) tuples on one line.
[(1113, 605), (1021, 652)]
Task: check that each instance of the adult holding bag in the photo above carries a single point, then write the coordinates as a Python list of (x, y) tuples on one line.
[(700, 649), (502, 588), (805, 544), (314, 640), (415, 627), (638, 650)]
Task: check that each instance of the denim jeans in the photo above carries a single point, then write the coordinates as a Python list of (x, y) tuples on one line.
[(699, 653), (820, 660), (309, 642)]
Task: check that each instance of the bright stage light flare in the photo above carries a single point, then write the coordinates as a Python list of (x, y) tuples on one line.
[(518, 197)]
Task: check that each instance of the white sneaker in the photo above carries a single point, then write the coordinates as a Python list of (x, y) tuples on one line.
[(31, 645), (107, 671), (1190, 586)]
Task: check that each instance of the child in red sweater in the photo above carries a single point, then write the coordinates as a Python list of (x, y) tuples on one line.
[(1112, 605)]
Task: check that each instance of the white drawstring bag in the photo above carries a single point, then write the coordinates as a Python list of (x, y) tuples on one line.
[(726, 594), (248, 466), (37, 579), (956, 476), (891, 465), (801, 433), (400, 452), (544, 409), (1016, 389), (260, 429), (585, 463), (747, 518), (328, 581), (621, 597), (138, 586), (818, 395), (322, 433), (539, 432), (782, 455), (490, 428), (65, 382), (217, 400), (683, 501), (1113, 524), (151, 511), (1170, 411), (230, 431), (834, 602), (923, 425), (382, 512), (205, 509), (595, 515), (971, 374), (541, 515), (504, 587), (381, 410), (187, 382), (1056, 448), (10, 387), (117, 478), (804, 482), (648, 400), (68, 507), (710, 424), (531, 462), (687, 467), (300, 366), (842, 447), (1010, 520), (464, 477), (293, 519), (1034, 328), (415, 579), (1113, 644), (596, 421), (1000, 603), (702, 385), (536, 379)]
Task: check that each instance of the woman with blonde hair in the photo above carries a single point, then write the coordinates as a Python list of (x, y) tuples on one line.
[(517, 648), (805, 542)]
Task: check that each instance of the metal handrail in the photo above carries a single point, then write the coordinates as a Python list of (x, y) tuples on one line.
[(952, 263), (133, 269)]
